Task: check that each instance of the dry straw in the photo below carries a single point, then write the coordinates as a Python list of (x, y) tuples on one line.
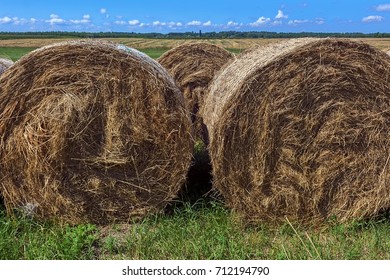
[(300, 130), (193, 66), (91, 132), (4, 64)]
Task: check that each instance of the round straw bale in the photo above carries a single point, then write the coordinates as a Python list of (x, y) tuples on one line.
[(301, 130), (5, 64), (193, 66), (91, 132)]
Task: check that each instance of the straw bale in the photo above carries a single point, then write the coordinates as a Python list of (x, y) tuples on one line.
[(300, 130), (193, 66), (91, 132)]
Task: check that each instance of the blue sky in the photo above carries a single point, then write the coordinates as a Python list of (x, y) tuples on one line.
[(194, 15)]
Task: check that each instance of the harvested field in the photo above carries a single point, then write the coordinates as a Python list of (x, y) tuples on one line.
[(299, 130), (193, 66), (91, 132), (140, 43)]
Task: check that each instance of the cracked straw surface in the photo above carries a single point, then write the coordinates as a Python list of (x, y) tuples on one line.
[(301, 130), (91, 132), (193, 66)]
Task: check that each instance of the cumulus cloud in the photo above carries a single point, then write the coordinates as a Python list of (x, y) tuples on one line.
[(281, 15), (232, 24), (194, 23), (17, 20), (159, 23), (120, 22), (5, 20), (298, 21), (174, 24), (85, 19), (276, 22), (319, 21), (372, 19), (383, 8), (207, 23), (134, 22), (260, 22), (55, 19), (103, 11)]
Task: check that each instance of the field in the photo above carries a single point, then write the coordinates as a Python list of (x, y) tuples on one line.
[(196, 226), (154, 48)]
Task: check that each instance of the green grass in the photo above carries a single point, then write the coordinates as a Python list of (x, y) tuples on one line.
[(154, 52), (203, 230), (209, 231), (14, 53), (235, 51), (26, 239)]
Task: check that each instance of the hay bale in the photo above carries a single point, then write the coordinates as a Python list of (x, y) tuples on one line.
[(193, 66), (5, 64), (300, 130), (91, 132)]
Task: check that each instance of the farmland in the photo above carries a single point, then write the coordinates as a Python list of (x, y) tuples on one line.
[(14, 48), (196, 227)]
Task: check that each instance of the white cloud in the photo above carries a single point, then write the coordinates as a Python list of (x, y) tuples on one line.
[(372, 19), (174, 24), (159, 23), (133, 22), (261, 21), (276, 22), (85, 19), (194, 23), (232, 24), (17, 20), (297, 21), (120, 22), (207, 23), (383, 8), (281, 15), (103, 11), (319, 21), (5, 20), (55, 19)]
